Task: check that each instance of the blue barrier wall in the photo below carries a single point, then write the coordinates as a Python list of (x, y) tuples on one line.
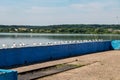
[(116, 44), (8, 75), (27, 55)]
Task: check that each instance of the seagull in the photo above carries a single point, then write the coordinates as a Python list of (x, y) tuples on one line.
[(4, 45), (14, 45), (74, 41), (70, 41), (21, 44), (55, 42), (89, 40), (78, 41), (65, 42), (40, 43), (34, 44), (96, 40)]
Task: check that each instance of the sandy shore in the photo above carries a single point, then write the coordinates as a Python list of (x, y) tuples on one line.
[(102, 66)]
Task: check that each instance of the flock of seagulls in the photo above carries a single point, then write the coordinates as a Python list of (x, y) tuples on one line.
[(21, 44), (14, 45)]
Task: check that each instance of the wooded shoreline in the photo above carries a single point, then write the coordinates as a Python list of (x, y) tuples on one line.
[(65, 28)]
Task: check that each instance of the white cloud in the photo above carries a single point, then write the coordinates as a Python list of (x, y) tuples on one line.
[(92, 12), (87, 6), (41, 10), (93, 6)]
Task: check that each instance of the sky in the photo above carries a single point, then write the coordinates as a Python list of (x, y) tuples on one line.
[(53, 12)]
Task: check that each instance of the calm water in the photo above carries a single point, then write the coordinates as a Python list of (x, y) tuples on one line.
[(28, 38)]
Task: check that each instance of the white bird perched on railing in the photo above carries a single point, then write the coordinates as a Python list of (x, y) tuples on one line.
[(21, 44), (70, 41), (4, 45), (90, 40), (85, 41), (14, 45), (73, 41), (50, 43), (40, 43), (34, 44), (66, 42), (96, 40), (77, 41), (93, 40), (99, 40), (55, 42)]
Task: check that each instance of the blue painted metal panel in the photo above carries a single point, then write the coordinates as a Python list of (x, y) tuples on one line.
[(59, 51), (91, 47), (28, 55), (8, 75), (35, 54), (116, 44), (10, 57)]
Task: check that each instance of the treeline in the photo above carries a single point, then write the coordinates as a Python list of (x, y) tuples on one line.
[(68, 28)]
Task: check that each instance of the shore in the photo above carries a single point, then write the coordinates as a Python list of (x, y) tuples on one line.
[(101, 66)]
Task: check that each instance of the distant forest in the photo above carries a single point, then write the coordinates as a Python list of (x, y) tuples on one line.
[(66, 28)]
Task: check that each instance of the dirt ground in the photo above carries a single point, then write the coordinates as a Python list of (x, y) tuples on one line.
[(99, 66)]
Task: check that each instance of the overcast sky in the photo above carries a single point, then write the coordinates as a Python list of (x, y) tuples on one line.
[(47, 12)]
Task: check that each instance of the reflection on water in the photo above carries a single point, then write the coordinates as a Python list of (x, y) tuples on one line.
[(28, 38)]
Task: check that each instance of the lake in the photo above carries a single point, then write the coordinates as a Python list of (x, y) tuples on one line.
[(30, 38)]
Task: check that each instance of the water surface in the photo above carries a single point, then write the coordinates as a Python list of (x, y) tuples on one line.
[(30, 38)]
